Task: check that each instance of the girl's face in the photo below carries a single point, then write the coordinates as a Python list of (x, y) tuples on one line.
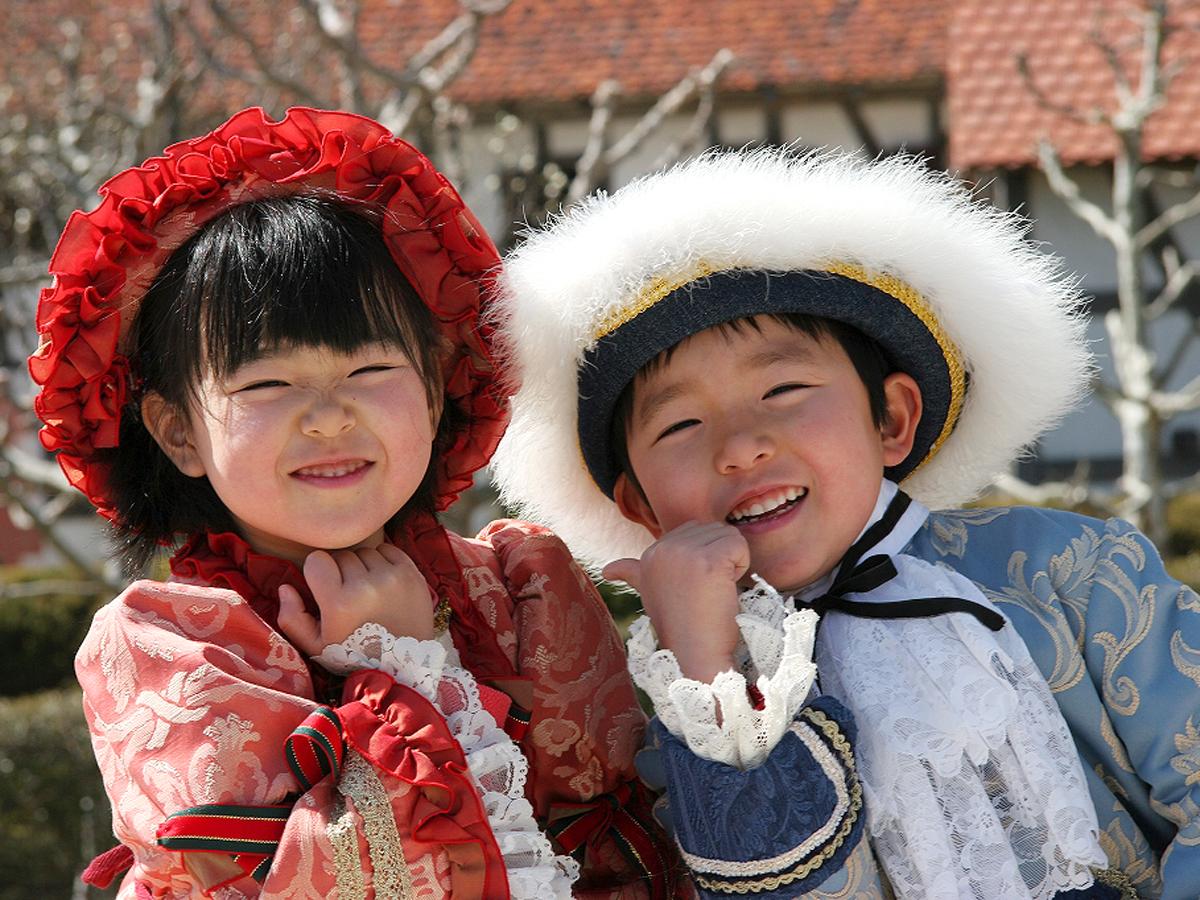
[(310, 448)]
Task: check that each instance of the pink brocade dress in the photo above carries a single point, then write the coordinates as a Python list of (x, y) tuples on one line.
[(191, 696)]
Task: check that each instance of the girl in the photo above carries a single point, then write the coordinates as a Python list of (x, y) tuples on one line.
[(267, 342)]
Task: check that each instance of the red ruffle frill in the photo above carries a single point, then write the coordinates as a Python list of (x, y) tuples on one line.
[(107, 258)]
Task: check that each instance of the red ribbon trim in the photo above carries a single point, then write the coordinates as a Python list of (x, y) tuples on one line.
[(576, 825), (402, 733)]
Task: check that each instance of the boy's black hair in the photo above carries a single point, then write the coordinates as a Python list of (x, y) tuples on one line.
[(865, 354), (301, 271)]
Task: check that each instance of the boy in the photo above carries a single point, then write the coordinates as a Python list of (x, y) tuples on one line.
[(726, 369)]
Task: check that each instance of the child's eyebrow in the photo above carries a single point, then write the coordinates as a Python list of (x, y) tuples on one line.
[(771, 355), (656, 400)]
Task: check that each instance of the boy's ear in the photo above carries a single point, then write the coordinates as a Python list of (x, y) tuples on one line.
[(902, 400), (633, 505), (171, 430)]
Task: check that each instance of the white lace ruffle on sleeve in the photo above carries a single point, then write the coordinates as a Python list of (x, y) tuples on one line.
[(497, 764), (718, 721)]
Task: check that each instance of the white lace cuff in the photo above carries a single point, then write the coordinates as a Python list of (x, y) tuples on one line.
[(496, 763), (717, 721)]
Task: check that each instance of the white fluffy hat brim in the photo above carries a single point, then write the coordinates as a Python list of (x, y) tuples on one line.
[(1013, 314)]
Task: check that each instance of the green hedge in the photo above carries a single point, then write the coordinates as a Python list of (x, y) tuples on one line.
[(53, 812), (40, 634)]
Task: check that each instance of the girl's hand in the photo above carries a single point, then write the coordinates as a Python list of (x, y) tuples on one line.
[(688, 584), (354, 587)]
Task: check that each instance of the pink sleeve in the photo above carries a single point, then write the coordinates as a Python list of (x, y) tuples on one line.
[(586, 723), (190, 698)]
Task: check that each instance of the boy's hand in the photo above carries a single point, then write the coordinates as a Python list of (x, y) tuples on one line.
[(688, 584), (353, 587)]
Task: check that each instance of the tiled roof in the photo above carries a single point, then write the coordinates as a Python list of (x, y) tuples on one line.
[(561, 50), (994, 120)]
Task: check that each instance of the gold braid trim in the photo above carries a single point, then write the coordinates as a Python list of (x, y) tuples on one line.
[(920, 308), (835, 737), (647, 297), (347, 867), (899, 290), (441, 617), (1115, 878), (391, 878)]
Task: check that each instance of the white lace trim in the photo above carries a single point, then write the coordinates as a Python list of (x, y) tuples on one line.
[(717, 720), (971, 780), (496, 763)]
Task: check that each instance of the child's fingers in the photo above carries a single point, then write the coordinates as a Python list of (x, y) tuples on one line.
[(393, 554), (296, 624), (322, 573), (372, 559), (626, 570)]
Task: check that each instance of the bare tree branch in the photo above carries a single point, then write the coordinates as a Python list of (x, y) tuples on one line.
[(1075, 492), (1179, 281), (1068, 191), (265, 73), (702, 118), (1094, 116), (1168, 219), (9, 488), (603, 99), (338, 31), (1169, 404), (1169, 369), (667, 104)]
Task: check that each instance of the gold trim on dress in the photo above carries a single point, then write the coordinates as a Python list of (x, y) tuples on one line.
[(390, 875), (347, 867)]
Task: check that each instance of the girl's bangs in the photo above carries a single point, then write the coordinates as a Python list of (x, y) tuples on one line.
[(309, 274)]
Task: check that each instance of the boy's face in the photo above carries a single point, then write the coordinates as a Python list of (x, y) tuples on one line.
[(769, 430)]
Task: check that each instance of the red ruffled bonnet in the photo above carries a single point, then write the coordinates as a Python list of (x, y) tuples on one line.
[(107, 258)]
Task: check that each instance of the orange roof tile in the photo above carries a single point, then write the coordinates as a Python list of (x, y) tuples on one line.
[(995, 120), (557, 50), (561, 50)]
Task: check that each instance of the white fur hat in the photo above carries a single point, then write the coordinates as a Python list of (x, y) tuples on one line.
[(990, 327)]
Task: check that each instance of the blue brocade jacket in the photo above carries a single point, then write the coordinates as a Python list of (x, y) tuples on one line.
[(1118, 641)]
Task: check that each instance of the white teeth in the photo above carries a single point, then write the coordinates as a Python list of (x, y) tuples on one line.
[(766, 504), (329, 471)]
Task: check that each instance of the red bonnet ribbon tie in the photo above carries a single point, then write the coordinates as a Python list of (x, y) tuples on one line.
[(577, 825)]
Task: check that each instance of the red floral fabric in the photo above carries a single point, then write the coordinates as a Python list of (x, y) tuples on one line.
[(191, 694), (107, 258)]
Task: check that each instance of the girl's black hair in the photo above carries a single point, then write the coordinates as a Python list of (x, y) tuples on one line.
[(300, 271), (866, 355)]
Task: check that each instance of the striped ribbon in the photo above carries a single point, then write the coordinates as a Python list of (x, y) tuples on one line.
[(516, 722), (251, 834), (576, 825), (315, 749)]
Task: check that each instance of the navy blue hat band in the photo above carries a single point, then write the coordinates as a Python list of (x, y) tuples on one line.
[(902, 325)]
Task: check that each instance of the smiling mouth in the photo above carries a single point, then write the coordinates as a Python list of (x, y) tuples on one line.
[(767, 507), (337, 470)]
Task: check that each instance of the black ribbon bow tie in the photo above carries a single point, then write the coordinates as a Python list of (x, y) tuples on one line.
[(856, 576)]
